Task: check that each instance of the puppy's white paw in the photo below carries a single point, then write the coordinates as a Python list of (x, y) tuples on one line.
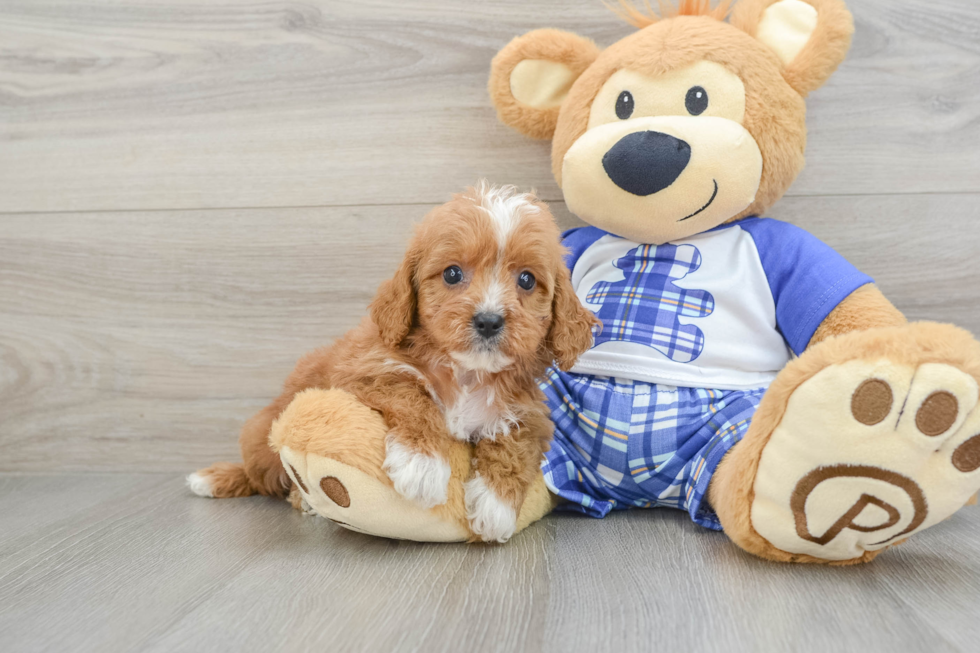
[(306, 508), (416, 476), (489, 517), (199, 485)]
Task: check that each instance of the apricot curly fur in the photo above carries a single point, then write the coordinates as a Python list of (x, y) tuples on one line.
[(403, 363)]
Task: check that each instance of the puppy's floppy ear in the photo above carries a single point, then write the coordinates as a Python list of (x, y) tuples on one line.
[(810, 37), (530, 78), (570, 334), (394, 306)]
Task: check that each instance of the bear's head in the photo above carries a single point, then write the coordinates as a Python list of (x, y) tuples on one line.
[(683, 125)]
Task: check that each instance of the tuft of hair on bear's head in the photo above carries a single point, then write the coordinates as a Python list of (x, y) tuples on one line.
[(646, 15)]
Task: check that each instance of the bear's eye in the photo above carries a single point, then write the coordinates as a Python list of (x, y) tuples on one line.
[(526, 280), (696, 100), (452, 275), (624, 105)]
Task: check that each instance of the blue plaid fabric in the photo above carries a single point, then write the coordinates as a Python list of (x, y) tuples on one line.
[(620, 443), (645, 306)]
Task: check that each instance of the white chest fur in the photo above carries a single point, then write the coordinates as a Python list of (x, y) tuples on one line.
[(475, 415)]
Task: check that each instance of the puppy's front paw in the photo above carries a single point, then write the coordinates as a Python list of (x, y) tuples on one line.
[(490, 518), (417, 476)]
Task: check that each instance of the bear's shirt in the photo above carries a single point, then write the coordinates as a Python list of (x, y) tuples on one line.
[(724, 309)]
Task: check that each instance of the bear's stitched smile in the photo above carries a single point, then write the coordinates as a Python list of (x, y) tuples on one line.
[(713, 196)]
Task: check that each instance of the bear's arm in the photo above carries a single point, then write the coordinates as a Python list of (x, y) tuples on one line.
[(865, 308)]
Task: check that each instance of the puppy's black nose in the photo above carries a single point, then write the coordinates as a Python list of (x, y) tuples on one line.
[(488, 325), (643, 163)]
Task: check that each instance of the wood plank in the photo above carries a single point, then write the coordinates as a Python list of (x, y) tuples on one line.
[(182, 104), (134, 562), (142, 341), (133, 298)]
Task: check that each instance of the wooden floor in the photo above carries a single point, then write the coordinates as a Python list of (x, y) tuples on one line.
[(127, 562), (192, 194)]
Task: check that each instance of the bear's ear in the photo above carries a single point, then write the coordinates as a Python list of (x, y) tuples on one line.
[(810, 37), (530, 78)]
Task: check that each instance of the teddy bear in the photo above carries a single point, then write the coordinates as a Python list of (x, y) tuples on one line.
[(744, 371)]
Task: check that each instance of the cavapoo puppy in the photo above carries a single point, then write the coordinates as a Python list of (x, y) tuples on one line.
[(479, 308)]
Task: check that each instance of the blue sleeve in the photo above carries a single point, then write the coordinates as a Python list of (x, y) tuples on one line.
[(808, 278), (577, 240)]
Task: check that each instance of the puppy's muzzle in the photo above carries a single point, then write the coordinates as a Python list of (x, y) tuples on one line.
[(488, 325), (644, 163)]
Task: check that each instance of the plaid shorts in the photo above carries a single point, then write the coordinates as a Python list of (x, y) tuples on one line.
[(621, 443)]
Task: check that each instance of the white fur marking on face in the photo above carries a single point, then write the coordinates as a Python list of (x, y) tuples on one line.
[(489, 517), (199, 485), (416, 476), (492, 300), (482, 361), (474, 416), (505, 207)]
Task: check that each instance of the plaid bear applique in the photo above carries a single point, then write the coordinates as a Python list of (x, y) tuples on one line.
[(645, 306)]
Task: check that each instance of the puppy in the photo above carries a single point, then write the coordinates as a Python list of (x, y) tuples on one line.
[(479, 308)]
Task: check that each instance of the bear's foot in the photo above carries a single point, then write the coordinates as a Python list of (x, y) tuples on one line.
[(364, 503), (333, 449), (865, 441), (868, 453)]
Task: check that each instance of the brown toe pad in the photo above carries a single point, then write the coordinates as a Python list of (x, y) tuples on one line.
[(966, 458), (334, 489), (871, 402), (937, 413)]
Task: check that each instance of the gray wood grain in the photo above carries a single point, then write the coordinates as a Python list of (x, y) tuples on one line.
[(134, 562), (143, 317), (142, 341), (182, 104)]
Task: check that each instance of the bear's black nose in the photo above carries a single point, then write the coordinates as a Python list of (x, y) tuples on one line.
[(644, 163)]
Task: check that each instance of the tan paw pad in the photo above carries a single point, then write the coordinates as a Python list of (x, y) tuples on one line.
[(868, 453), (869, 513)]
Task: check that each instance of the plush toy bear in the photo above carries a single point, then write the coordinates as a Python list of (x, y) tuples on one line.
[(744, 371)]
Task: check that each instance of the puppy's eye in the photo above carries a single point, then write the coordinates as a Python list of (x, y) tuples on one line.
[(526, 280), (452, 275), (624, 105), (696, 100)]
